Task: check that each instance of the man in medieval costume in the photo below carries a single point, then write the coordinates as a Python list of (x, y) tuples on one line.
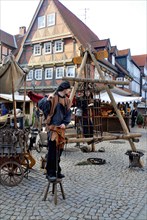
[(57, 115)]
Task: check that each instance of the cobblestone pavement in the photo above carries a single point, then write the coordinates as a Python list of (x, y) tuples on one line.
[(112, 191)]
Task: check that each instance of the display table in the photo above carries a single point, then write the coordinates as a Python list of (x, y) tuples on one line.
[(112, 124)]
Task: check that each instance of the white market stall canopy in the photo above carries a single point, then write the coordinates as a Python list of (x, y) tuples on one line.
[(119, 98), (9, 97)]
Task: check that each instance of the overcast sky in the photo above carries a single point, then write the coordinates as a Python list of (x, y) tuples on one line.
[(124, 22)]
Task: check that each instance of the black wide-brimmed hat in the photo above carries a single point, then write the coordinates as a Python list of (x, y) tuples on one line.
[(63, 85)]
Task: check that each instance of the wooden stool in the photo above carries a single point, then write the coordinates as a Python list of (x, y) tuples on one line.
[(54, 190)]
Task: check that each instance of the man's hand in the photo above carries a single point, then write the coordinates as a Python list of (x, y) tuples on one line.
[(62, 126)]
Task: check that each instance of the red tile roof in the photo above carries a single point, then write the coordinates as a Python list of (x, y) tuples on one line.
[(140, 60), (101, 43), (123, 52), (7, 39)]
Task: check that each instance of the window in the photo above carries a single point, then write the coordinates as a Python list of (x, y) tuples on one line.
[(38, 74), (51, 19), (48, 73), (113, 59), (96, 74), (58, 46), (47, 47), (59, 72), (70, 71), (41, 22), (30, 75), (120, 79), (37, 49)]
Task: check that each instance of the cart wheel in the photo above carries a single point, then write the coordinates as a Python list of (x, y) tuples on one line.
[(11, 173), (38, 146)]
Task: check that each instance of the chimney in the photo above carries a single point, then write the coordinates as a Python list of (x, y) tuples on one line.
[(22, 30)]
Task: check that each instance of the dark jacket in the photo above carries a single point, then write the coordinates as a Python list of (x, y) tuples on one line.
[(58, 108)]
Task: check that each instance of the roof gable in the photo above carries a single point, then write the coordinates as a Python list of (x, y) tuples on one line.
[(52, 32), (75, 26), (78, 28)]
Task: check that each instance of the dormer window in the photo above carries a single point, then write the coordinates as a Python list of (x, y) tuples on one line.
[(51, 19), (58, 46), (37, 49), (41, 22), (113, 60)]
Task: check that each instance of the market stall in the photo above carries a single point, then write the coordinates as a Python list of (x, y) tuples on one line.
[(110, 120)]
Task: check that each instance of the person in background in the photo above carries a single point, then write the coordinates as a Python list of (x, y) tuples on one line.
[(134, 114), (57, 118), (36, 113), (4, 110)]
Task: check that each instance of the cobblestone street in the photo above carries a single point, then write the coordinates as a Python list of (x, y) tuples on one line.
[(112, 191)]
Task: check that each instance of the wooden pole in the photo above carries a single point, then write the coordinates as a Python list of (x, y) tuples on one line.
[(74, 89), (88, 80), (120, 117), (24, 101), (14, 102), (103, 138)]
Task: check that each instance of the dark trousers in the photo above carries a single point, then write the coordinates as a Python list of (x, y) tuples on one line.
[(53, 159), (133, 121)]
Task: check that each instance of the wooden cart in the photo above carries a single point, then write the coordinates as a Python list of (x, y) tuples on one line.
[(15, 160), (14, 164)]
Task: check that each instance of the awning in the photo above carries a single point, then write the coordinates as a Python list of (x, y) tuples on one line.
[(11, 70), (119, 98), (18, 98)]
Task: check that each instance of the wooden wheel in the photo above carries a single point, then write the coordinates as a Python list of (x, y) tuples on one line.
[(11, 173)]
